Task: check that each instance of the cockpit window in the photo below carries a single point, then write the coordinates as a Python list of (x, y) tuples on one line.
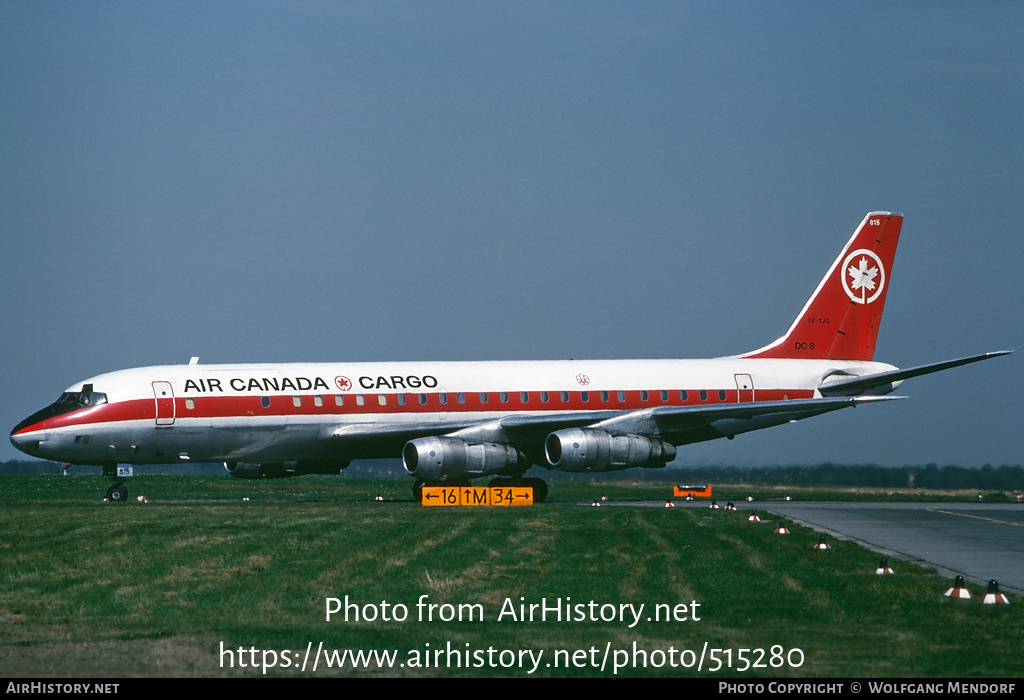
[(68, 402), (73, 400)]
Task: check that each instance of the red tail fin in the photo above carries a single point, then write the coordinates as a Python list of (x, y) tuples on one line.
[(840, 321)]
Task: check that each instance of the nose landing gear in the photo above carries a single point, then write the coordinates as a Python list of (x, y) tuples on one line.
[(118, 493)]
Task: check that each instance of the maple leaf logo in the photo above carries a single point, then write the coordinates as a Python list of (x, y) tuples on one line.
[(863, 276)]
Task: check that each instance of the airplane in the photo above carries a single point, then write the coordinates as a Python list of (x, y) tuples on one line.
[(455, 421)]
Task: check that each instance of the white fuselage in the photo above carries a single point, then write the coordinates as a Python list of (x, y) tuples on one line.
[(284, 412)]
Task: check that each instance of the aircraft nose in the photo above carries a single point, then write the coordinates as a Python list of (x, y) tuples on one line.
[(29, 444)]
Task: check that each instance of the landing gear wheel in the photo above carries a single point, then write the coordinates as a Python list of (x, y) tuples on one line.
[(539, 486), (117, 493), (540, 489)]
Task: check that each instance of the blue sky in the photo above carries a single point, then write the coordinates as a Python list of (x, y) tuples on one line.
[(320, 181)]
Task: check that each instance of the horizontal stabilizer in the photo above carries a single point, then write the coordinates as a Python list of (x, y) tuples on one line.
[(858, 385)]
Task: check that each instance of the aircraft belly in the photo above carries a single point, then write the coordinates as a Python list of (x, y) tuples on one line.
[(266, 443)]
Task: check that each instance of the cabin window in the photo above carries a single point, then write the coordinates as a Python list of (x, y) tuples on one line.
[(483, 397), (604, 396), (339, 400), (265, 401), (318, 400), (296, 401), (382, 399), (360, 399), (543, 397), (524, 396), (683, 396), (721, 394), (643, 395), (584, 396), (423, 399), (664, 396), (190, 403), (504, 397), (565, 397), (401, 399), (460, 397), (443, 398), (622, 397), (703, 395)]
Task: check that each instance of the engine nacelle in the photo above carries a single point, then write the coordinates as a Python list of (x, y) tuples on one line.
[(444, 458), (582, 450), (283, 470)]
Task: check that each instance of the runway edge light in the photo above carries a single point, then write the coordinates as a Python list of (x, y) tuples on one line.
[(781, 529), (883, 567), (959, 590), (753, 517), (822, 544), (994, 596)]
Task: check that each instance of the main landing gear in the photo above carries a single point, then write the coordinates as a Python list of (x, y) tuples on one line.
[(539, 486)]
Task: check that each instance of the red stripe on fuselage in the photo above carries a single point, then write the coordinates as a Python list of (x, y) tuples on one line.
[(217, 407)]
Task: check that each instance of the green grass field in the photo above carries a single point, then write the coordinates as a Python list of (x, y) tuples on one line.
[(155, 589)]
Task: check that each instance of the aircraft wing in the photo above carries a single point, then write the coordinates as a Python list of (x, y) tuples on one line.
[(685, 424), (359, 434), (677, 424)]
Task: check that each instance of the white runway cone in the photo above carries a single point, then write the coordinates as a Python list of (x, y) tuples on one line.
[(883, 567), (959, 589), (994, 596)]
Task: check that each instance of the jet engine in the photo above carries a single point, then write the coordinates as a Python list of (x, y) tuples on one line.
[(444, 458), (583, 450), (282, 470)]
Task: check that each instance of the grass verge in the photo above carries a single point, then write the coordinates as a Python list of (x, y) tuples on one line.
[(97, 589)]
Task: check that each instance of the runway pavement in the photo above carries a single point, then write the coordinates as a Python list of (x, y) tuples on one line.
[(982, 541)]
